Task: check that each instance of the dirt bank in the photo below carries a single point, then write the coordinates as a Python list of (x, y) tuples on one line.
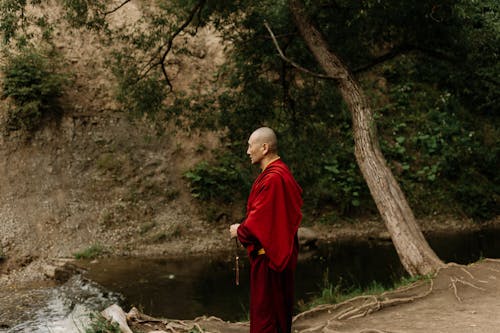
[(458, 299)]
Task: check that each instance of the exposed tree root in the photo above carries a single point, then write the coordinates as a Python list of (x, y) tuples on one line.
[(328, 318), (452, 276), (175, 326), (362, 305), (454, 280), (492, 259)]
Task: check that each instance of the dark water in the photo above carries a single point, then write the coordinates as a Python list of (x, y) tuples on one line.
[(191, 287)]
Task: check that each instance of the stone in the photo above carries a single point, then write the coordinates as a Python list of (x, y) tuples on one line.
[(114, 313)]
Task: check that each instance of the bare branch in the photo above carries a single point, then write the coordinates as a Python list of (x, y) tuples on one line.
[(401, 50), (161, 62), (165, 74), (116, 8), (294, 64), (193, 12)]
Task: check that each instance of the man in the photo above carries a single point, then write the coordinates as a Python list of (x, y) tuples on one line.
[(269, 234)]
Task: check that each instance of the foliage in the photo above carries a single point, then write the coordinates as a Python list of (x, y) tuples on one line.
[(443, 155), (222, 181), (139, 96), (87, 13), (91, 252), (32, 85), (442, 148), (21, 26), (430, 68), (99, 324)]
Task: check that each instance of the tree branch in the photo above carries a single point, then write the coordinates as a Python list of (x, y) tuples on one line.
[(294, 64), (193, 12), (400, 50), (116, 8), (161, 62)]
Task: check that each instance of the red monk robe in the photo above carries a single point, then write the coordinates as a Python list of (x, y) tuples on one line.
[(272, 220)]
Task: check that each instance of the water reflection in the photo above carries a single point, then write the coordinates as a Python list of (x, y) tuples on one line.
[(181, 289)]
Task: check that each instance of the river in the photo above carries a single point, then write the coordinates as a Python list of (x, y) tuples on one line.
[(185, 288)]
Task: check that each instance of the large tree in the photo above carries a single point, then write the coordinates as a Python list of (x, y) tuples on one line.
[(414, 251), (363, 34)]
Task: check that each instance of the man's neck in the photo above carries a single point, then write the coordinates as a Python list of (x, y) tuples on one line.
[(268, 160)]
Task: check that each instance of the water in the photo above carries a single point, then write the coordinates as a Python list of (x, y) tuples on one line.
[(60, 309), (189, 287)]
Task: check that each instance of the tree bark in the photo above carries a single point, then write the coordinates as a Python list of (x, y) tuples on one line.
[(414, 252)]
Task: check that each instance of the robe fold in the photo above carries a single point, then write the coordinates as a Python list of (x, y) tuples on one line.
[(272, 220)]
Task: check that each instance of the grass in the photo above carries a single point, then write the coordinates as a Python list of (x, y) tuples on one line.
[(332, 294), (91, 252), (99, 324)]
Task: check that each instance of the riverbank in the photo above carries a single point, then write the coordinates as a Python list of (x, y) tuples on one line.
[(52, 272), (213, 240), (458, 299)]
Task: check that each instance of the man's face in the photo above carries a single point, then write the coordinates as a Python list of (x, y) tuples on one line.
[(255, 150)]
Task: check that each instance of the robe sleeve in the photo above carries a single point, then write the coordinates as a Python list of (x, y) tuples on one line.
[(272, 219), (247, 239)]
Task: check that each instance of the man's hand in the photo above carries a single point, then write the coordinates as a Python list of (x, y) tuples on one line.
[(233, 230)]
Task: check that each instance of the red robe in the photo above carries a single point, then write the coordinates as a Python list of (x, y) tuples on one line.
[(272, 220)]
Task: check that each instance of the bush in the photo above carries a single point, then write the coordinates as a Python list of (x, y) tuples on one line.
[(32, 85), (221, 181)]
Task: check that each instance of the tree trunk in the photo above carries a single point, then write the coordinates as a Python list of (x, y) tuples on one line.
[(414, 252)]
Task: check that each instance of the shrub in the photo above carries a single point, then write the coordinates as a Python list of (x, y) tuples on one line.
[(221, 181), (32, 84)]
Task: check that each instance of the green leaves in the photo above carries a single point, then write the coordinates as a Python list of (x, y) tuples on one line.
[(222, 181), (32, 85)]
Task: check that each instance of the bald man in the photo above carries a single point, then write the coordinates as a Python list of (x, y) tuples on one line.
[(269, 233)]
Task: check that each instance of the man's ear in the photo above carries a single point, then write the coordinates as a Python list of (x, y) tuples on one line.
[(265, 147)]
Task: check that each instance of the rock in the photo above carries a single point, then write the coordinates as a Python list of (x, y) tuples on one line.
[(114, 313), (307, 237), (60, 269)]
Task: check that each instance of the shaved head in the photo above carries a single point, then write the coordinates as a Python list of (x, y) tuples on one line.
[(263, 147), (265, 135)]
